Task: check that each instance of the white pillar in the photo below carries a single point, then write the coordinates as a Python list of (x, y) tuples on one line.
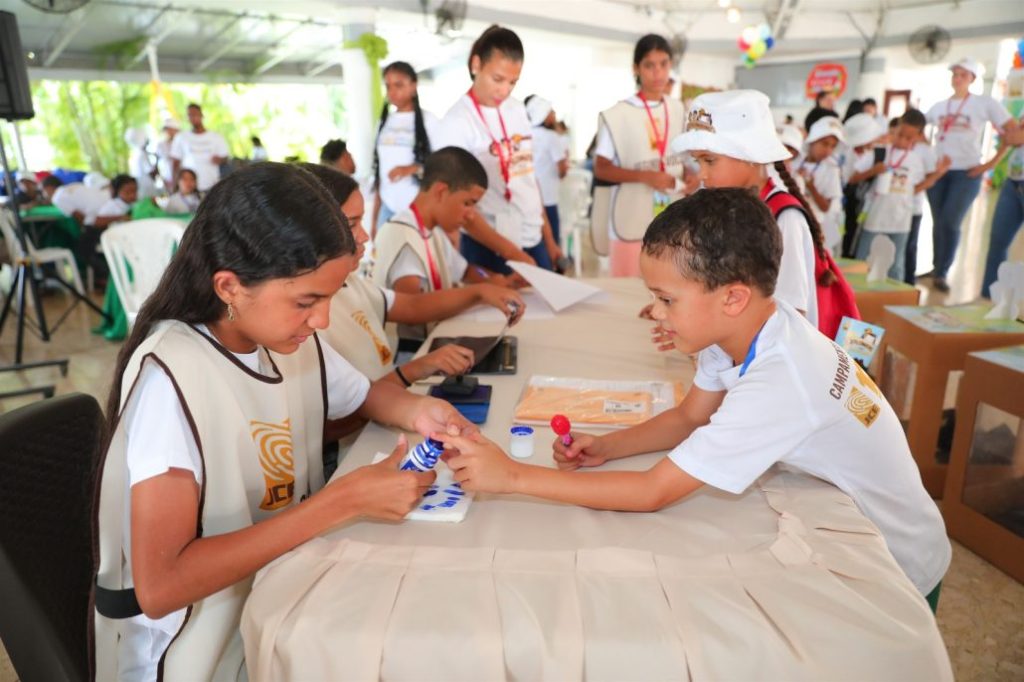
[(356, 79)]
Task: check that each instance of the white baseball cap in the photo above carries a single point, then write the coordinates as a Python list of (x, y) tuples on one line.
[(971, 65), (862, 129), (791, 137), (172, 123), (829, 126), (25, 175), (736, 123), (538, 109)]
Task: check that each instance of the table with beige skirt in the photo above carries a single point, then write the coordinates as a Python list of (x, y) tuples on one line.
[(786, 581)]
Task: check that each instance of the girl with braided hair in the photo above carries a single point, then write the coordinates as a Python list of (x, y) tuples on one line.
[(732, 137), (404, 140)]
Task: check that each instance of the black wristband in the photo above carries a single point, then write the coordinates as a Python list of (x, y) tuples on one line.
[(398, 371)]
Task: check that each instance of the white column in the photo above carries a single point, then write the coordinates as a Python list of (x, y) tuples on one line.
[(356, 79)]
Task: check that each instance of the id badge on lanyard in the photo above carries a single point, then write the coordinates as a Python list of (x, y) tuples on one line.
[(661, 202)]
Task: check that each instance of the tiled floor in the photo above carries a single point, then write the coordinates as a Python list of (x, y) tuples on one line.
[(981, 614)]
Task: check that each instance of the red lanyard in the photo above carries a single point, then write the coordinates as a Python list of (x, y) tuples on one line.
[(660, 140), (949, 119), (899, 163), (435, 276), (503, 161)]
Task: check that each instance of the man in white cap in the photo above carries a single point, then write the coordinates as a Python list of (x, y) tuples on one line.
[(550, 162), (164, 163), (959, 123)]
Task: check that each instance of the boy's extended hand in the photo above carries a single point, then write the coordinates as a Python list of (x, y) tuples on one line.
[(479, 465), (585, 451)]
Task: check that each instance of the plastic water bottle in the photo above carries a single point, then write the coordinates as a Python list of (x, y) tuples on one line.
[(423, 457)]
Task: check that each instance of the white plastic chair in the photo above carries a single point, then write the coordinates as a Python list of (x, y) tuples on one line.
[(61, 258), (574, 204), (137, 253)]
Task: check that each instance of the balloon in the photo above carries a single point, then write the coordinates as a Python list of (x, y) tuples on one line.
[(750, 35), (743, 45), (769, 42), (748, 62), (764, 31), (758, 49)]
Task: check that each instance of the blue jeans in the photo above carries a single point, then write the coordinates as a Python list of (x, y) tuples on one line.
[(1006, 221), (910, 262), (478, 254), (898, 238), (950, 198), (552, 212)]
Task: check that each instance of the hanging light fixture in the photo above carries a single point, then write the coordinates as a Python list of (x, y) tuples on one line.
[(724, 3), (732, 15)]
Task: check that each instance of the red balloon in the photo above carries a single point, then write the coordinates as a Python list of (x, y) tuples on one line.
[(743, 45), (560, 424)]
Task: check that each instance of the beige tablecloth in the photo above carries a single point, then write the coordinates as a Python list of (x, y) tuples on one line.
[(787, 581)]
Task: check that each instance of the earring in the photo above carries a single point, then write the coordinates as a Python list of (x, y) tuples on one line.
[(231, 313)]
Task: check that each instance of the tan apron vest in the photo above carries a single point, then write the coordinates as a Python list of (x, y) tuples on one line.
[(631, 204), (260, 438), (356, 331), (393, 236)]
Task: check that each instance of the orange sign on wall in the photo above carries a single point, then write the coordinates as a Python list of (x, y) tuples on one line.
[(826, 77)]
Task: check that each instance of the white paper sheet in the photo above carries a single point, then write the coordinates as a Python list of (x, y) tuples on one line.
[(444, 502), (536, 309), (559, 291)]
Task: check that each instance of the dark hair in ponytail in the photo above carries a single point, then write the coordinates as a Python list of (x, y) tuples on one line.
[(265, 221), (652, 42), (817, 236), (496, 39), (421, 145)]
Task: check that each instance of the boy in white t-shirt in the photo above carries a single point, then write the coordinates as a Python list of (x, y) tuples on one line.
[(199, 149), (933, 165), (769, 388), (889, 208)]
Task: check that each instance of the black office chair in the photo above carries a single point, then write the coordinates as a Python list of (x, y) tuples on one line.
[(48, 456)]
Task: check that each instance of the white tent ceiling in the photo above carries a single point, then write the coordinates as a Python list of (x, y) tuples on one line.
[(300, 40)]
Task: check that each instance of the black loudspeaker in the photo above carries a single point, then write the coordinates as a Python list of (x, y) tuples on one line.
[(15, 94)]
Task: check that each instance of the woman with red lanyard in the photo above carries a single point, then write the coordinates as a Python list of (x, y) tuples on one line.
[(510, 223), (959, 123), (632, 159)]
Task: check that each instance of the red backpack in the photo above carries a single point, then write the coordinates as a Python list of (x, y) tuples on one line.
[(835, 300)]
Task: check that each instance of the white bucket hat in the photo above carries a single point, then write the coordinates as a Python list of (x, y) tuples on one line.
[(538, 109), (862, 129), (737, 124), (968, 64), (829, 126), (791, 137), (25, 175), (172, 123)]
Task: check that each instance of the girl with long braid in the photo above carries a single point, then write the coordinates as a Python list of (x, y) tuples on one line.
[(732, 137), (403, 143)]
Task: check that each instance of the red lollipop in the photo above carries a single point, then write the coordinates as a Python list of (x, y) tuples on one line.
[(561, 426)]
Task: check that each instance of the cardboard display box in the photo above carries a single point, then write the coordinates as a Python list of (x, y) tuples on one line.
[(872, 297), (984, 498), (936, 339)]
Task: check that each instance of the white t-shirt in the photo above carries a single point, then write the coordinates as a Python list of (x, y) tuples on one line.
[(828, 181), (407, 263), (796, 284), (519, 219), (959, 125), (182, 203), (802, 401), (76, 196), (395, 145), (163, 161), (890, 204), (114, 207), (927, 154), (196, 151), (158, 438), (548, 150)]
